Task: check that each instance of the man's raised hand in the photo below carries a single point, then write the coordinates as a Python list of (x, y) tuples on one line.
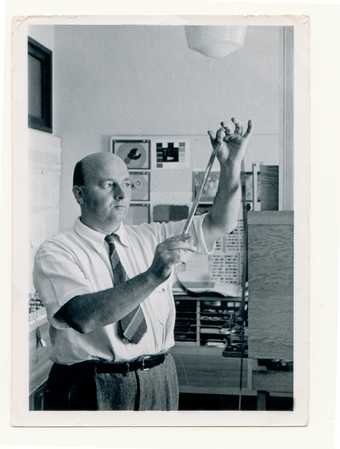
[(231, 146)]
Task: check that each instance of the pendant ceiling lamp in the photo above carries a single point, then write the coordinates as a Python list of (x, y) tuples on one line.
[(215, 41)]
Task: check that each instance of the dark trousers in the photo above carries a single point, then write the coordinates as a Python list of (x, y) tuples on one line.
[(81, 387)]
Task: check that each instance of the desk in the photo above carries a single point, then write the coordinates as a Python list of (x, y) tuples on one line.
[(202, 367), (204, 370)]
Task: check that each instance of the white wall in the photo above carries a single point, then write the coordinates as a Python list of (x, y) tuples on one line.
[(45, 167), (144, 80), (44, 34), (45, 170)]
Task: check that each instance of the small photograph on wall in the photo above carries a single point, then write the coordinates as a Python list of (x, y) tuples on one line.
[(134, 152), (140, 188), (138, 214), (172, 154)]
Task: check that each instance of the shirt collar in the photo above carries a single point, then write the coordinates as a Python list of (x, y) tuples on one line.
[(98, 237), (122, 235)]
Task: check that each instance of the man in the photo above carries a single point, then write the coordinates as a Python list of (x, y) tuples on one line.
[(107, 286)]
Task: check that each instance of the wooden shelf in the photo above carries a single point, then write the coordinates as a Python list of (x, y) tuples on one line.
[(204, 317)]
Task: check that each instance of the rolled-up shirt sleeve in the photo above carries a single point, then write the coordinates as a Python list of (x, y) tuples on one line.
[(57, 279)]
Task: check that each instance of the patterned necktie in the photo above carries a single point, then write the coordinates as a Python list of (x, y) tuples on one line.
[(133, 325)]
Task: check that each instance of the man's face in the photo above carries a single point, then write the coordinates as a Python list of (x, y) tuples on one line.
[(106, 194)]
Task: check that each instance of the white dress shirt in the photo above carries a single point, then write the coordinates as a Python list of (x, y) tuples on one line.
[(77, 262)]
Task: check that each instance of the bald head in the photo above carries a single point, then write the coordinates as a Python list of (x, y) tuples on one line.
[(86, 168), (102, 188)]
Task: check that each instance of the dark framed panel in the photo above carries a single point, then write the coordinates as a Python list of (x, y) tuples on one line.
[(39, 86), (134, 152), (170, 212)]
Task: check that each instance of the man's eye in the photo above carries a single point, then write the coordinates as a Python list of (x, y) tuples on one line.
[(128, 184), (108, 185)]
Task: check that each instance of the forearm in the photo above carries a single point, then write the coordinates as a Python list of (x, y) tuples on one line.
[(224, 213), (230, 150), (87, 312)]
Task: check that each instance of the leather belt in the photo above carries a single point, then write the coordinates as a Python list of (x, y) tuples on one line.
[(143, 363)]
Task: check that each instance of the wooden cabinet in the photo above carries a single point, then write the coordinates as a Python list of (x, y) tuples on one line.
[(271, 300), (271, 284)]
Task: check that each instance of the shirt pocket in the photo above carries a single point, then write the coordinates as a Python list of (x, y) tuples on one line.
[(159, 304)]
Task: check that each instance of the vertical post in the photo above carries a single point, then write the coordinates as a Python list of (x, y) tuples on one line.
[(262, 397), (286, 175), (198, 322), (255, 192), (250, 367)]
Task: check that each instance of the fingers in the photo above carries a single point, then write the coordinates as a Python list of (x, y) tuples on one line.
[(226, 129), (249, 129), (220, 134), (170, 252), (224, 133), (176, 256), (183, 248), (181, 242), (175, 249), (179, 238), (238, 128)]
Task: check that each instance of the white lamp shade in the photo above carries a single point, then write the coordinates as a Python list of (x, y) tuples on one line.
[(215, 41)]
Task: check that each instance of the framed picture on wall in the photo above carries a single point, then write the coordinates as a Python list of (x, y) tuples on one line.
[(171, 153), (138, 214), (140, 189), (134, 152)]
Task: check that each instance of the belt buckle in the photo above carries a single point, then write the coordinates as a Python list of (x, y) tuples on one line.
[(144, 368), (127, 369)]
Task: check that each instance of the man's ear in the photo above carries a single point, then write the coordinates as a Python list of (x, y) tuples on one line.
[(78, 194)]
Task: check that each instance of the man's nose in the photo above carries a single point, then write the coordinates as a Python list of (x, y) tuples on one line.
[(118, 193)]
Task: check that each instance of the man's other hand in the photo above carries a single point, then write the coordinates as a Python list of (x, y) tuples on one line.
[(169, 253)]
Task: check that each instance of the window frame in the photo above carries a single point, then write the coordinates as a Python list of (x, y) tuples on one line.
[(44, 55)]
